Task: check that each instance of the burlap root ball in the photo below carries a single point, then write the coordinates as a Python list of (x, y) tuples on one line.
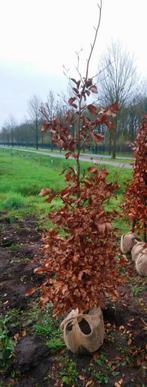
[(83, 331), (141, 263), (127, 242), (137, 249)]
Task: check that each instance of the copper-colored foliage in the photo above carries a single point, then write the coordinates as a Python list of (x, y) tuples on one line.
[(136, 194), (92, 109), (81, 269)]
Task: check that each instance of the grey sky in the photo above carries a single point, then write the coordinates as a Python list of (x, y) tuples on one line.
[(38, 36), (19, 84)]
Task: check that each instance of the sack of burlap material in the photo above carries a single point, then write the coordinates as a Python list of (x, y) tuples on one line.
[(137, 249), (141, 263), (127, 242), (83, 330)]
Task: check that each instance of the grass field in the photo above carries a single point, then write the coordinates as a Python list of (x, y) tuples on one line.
[(23, 175)]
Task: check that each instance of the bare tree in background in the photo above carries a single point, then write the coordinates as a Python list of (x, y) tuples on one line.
[(48, 107), (117, 82), (52, 107), (34, 112), (10, 126)]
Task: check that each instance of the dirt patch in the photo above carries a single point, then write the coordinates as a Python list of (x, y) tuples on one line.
[(120, 362), (19, 243)]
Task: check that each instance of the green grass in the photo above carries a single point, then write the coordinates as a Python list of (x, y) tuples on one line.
[(136, 290), (24, 174), (28, 173), (48, 327), (7, 344), (69, 373)]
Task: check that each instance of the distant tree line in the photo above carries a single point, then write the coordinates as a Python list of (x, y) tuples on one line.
[(29, 132), (116, 82)]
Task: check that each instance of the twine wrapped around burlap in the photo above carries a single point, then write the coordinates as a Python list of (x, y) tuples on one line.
[(137, 249), (83, 330), (141, 263), (127, 242)]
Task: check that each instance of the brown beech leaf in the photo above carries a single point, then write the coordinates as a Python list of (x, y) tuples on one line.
[(45, 126), (101, 227), (75, 155), (90, 383), (73, 80), (97, 137), (119, 383), (40, 270), (93, 88), (82, 274), (45, 192), (92, 169), (111, 110), (76, 90), (71, 102), (92, 109), (110, 124), (87, 92), (29, 292), (115, 107), (88, 83), (78, 84), (67, 155)]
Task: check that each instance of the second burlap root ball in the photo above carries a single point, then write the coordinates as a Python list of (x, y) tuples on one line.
[(139, 256), (138, 250), (127, 242)]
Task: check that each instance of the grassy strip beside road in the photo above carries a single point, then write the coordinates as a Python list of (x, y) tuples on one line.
[(120, 160)]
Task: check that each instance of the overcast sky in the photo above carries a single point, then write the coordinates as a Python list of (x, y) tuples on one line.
[(38, 37)]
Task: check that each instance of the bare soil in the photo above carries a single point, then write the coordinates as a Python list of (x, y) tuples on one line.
[(122, 359)]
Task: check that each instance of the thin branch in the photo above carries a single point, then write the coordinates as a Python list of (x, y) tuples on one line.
[(78, 64), (94, 40), (102, 70)]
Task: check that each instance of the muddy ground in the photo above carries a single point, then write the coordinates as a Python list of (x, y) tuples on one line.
[(31, 362)]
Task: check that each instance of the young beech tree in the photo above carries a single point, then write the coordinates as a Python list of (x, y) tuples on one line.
[(136, 195), (80, 268)]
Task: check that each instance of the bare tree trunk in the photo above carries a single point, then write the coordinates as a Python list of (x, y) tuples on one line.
[(42, 139), (114, 139), (36, 132), (110, 143)]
